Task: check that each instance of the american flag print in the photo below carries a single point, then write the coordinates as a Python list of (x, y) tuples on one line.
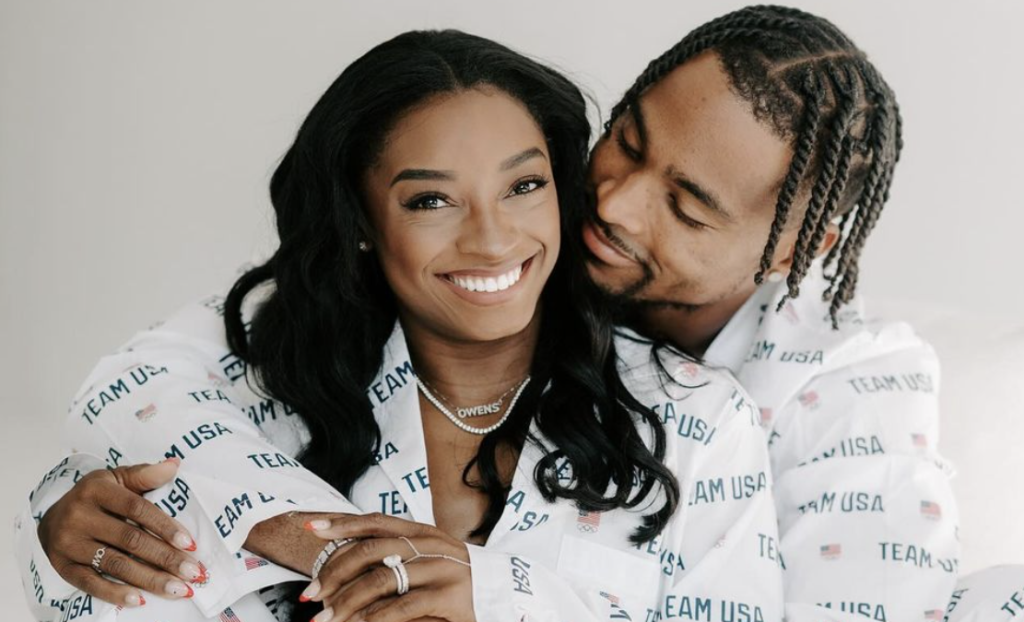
[(228, 616), (831, 551), (252, 563), (931, 510), (689, 370), (146, 413), (611, 597), (588, 522), (809, 399)]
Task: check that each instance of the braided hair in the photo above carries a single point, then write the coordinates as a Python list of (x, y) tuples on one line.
[(816, 90)]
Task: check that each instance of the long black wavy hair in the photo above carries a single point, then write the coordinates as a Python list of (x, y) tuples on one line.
[(316, 341)]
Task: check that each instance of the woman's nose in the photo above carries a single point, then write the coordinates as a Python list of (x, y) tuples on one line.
[(488, 232)]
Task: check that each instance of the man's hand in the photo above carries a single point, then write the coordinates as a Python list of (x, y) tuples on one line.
[(106, 510), (355, 584)]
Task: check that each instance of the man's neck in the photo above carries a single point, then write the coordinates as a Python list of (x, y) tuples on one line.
[(692, 330)]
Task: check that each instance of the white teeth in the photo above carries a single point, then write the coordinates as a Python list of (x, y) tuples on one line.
[(489, 284)]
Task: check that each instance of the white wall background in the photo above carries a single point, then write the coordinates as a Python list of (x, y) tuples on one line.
[(137, 140)]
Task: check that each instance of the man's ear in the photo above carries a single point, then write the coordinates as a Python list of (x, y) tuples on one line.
[(785, 260)]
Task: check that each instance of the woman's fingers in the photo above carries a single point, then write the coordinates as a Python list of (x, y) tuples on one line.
[(379, 583), (128, 538), (117, 564), (348, 564), (369, 525), (123, 501), (87, 580)]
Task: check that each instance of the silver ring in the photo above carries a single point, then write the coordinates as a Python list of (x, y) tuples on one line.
[(402, 577), (97, 558)]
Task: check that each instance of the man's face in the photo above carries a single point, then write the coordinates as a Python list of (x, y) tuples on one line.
[(685, 186)]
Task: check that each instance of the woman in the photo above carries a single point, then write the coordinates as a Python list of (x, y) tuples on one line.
[(443, 367)]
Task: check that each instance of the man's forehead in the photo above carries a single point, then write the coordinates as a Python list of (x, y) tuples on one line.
[(696, 123)]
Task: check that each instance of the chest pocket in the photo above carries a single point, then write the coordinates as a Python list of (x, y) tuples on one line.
[(611, 570)]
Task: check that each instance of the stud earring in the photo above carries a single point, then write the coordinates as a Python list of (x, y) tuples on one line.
[(364, 246), (775, 277)]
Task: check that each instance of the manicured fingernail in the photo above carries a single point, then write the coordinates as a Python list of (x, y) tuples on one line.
[(190, 570), (179, 589), (312, 590), (324, 615), (184, 541), (134, 599), (175, 460), (318, 525)]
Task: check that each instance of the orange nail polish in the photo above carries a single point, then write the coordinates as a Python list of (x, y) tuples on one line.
[(303, 598), (142, 600), (191, 547), (190, 592)]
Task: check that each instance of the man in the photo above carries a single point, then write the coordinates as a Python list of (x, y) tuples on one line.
[(745, 160)]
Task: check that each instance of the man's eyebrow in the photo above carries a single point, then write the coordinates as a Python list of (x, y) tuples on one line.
[(703, 195), (519, 158), (423, 173)]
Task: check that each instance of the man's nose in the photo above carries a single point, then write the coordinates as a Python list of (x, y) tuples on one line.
[(622, 202), (488, 232)]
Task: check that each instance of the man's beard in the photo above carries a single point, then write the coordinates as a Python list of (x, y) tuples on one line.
[(627, 304)]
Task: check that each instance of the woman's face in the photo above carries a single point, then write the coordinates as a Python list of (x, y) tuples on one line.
[(465, 212)]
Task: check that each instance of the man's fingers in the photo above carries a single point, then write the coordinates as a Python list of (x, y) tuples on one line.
[(137, 508), (87, 580), (376, 525), (144, 546), (142, 478), (136, 574)]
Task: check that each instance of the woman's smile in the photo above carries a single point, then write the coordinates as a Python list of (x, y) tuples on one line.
[(487, 286)]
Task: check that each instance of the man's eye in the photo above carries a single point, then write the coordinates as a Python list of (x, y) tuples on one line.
[(425, 202), (631, 153), (681, 215), (526, 186)]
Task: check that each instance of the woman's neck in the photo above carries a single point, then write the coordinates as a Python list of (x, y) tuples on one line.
[(466, 372)]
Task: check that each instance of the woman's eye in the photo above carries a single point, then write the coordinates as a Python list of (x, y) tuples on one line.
[(425, 202), (527, 186)]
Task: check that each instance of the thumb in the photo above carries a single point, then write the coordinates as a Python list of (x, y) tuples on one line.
[(140, 478)]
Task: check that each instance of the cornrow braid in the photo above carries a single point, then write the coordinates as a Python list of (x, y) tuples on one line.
[(815, 89)]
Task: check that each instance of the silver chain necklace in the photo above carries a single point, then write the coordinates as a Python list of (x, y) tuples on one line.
[(457, 421), (479, 410)]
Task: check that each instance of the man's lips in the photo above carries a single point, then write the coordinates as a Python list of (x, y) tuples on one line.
[(604, 249)]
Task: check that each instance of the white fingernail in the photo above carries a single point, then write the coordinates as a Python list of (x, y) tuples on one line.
[(324, 615), (190, 570), (177, 588), (310, 592), (134, 599), (184, 541)]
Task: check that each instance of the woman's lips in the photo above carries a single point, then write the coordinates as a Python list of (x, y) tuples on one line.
[(488, 287)]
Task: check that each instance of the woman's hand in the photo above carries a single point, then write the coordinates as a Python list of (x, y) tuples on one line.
[(356, 585), (106, 510)]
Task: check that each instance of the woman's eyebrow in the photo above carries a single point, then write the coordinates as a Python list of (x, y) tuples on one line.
[(423, 173), (519, 158)]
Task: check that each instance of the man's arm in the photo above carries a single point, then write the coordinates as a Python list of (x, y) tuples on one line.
[(867, 516)]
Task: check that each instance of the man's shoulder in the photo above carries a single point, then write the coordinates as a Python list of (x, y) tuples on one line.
[(672, 383)]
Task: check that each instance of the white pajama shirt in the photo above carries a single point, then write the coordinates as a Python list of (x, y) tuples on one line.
[(176, 390), (867, 521)]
